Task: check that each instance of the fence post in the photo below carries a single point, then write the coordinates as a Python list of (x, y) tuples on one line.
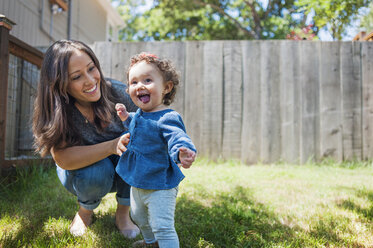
[(5, 27)]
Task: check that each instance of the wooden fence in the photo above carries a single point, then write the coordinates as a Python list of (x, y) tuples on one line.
[(267, 101)]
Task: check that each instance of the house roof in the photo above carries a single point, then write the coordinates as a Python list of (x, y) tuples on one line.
[(113, 16), (364, 36)]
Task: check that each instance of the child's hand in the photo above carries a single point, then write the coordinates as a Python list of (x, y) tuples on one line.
[(121, 111), (121, 143), (186, 157)]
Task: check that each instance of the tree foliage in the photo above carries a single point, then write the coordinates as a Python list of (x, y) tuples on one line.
[(211, 20), (366, 21), (333, 15), (234, 19)]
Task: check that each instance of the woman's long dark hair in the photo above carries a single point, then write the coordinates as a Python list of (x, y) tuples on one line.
[(52, 125)]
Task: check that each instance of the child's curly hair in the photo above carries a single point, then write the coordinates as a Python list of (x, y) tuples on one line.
[(166, 68)]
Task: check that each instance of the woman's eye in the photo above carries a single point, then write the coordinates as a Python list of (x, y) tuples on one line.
[(75, 77), (92, 68)]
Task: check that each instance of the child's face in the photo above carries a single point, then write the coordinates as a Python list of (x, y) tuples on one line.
[(147, 87)]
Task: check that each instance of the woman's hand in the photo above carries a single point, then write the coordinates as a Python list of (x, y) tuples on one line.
[(121, 144)]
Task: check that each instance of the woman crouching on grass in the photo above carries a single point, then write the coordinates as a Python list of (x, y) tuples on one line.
[(75, 121)]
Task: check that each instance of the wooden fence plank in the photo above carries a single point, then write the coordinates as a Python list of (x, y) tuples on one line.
[(232, 99), (251, 114), (290, 100), (309, 67), (270, 102), (351, 100), (194, 93), (120, 58), (25, 51), (367, 98), (102, 51), (213, 98), (330, 101)]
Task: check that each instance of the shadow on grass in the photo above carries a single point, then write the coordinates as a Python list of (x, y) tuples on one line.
[(366, 212), (228, 219), (232, 220), (32, 199), (235, 219), (35, 198)]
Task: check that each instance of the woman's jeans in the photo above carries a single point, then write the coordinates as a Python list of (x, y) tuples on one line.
[(93, 182), (153, 211)]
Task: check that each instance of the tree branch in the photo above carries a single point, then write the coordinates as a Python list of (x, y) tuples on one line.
[(256, 17), (269, 8), (250, 33)]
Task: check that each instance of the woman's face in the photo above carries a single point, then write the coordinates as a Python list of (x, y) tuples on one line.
[(84, 79)]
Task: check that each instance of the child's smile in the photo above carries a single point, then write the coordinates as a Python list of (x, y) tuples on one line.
[(144, 98), (147, 87)]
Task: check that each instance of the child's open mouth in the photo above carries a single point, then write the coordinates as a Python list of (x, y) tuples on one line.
[(144, 98)]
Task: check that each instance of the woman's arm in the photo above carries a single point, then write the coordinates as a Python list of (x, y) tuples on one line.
[(77, 157)]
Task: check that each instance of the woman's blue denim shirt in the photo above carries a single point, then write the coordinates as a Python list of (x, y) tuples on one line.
[(150, 161)]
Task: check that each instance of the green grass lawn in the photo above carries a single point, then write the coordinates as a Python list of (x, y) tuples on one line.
[(219, 205)]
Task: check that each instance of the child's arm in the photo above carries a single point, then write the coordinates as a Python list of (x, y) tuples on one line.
[(180, 147), (186, 157), (121, 111)]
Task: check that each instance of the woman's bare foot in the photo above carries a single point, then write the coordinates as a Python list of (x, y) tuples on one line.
[(81, 221), (124, 223)]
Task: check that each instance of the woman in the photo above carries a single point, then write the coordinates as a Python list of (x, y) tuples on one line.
[(75, 121)]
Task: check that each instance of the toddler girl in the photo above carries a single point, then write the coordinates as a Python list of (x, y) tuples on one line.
[(158, 146)]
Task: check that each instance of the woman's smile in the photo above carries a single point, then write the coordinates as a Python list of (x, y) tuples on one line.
[(94, 88)]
